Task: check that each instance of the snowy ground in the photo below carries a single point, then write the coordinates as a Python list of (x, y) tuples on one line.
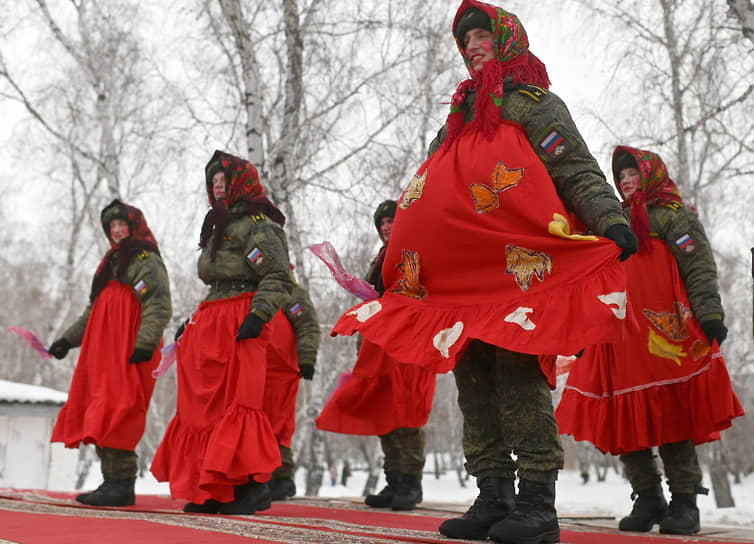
[(608, 498)]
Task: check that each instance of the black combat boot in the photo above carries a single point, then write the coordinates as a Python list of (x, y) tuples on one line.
[(649, 508), (384, 498), (282, 488), (534, 520), (111, 493), (210, 506), (409, 493), (496, 499), (682, 517), (249, 498)]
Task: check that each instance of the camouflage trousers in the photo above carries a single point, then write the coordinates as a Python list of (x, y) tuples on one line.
[(404, 450), (117, 464), (288, 468), (507, 409), (680, 464)]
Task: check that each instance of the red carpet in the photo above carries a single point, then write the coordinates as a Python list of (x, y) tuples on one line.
[(32, 517)]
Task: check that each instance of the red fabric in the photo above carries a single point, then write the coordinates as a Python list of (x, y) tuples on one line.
[(220, 434), (282, 380), (471, 256), (380, 395), (109, 397), (627, 397)]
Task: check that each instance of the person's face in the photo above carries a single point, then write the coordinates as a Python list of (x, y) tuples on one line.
[(118, 230), (629, 181), (479, 46), (218, 185), (386, 227)]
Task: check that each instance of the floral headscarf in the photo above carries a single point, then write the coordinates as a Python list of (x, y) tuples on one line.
[(513, 63), (243, 186), (657, 189), (139, 238)]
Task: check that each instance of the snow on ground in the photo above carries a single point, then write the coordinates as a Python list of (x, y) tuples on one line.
[(610, 498)]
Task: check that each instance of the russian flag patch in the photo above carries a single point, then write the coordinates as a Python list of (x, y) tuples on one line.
[(686, 243), (140, 287), (296, 309), (554, 144), (255, 256)]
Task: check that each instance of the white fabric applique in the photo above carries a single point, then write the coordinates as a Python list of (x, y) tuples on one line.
[(446, 338), (365, 311), (520, 317), (617, 303)]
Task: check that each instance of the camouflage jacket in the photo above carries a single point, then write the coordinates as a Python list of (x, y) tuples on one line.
[(154, 296), (696, 263), (578, 178), (303, 316), (253, 256)]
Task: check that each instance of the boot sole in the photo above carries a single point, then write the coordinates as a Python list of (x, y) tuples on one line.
[(548, 537), (693, 531)]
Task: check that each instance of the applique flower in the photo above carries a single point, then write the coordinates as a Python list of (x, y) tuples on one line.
[(503, 178), (366, 311), (559, 226), (660, 347), (414, 191), (671, 324), (525, 264), (617, 303), (521, 318), (410, 267)]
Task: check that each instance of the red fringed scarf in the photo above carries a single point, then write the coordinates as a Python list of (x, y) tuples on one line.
[(514, 64)]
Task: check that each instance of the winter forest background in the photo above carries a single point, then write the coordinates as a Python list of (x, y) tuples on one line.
[(335, 102)]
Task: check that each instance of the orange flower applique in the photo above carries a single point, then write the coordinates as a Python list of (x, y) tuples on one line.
[(487, 198), (524, 264), (414, 191), (699, 350), (672, 325), (410, 267)]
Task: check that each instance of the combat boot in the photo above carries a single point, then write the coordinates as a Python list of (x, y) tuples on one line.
[(496, 499), (210, 506), (282, 488), (250, 498), (682, 517), (409, 493), (534, 520), (384, 498), (649, 508), (112, 492)]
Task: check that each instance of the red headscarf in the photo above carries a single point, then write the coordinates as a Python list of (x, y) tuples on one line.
[(657, 189), (513, 63), (243, 186), (139, 238)]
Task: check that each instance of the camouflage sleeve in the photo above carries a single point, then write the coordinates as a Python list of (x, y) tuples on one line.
[(687, 240), (435, 144), (75, 333), (267, 255), (559, 145), (149, 279), (303, 317)]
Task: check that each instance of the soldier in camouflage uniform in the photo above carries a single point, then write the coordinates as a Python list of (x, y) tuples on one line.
[(638, 173), (302, 314), (220, 448), (403, 448), (504, 398), (119, 334)]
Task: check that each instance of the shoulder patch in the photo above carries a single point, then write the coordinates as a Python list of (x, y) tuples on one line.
[(554, 143), (533, 92), (255, 257), (257, 217), (296, 309), (143, 255), (686, 243), (675, 206), (140, 287)]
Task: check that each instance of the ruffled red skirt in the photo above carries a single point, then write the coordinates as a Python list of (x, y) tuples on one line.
[(109, 397), (281, 385), (379, 396), (220, 434), (663, 385)]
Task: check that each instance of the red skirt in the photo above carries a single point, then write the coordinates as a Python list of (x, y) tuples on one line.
[(380, 395), (109, 397), (664, 384), (220, 434), (282, 380)]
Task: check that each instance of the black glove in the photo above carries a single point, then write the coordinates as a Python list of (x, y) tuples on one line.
[(141, 355), (250, 328), (179, 331), (624, 239), (59, 348), (306, 370), (714, 329)]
